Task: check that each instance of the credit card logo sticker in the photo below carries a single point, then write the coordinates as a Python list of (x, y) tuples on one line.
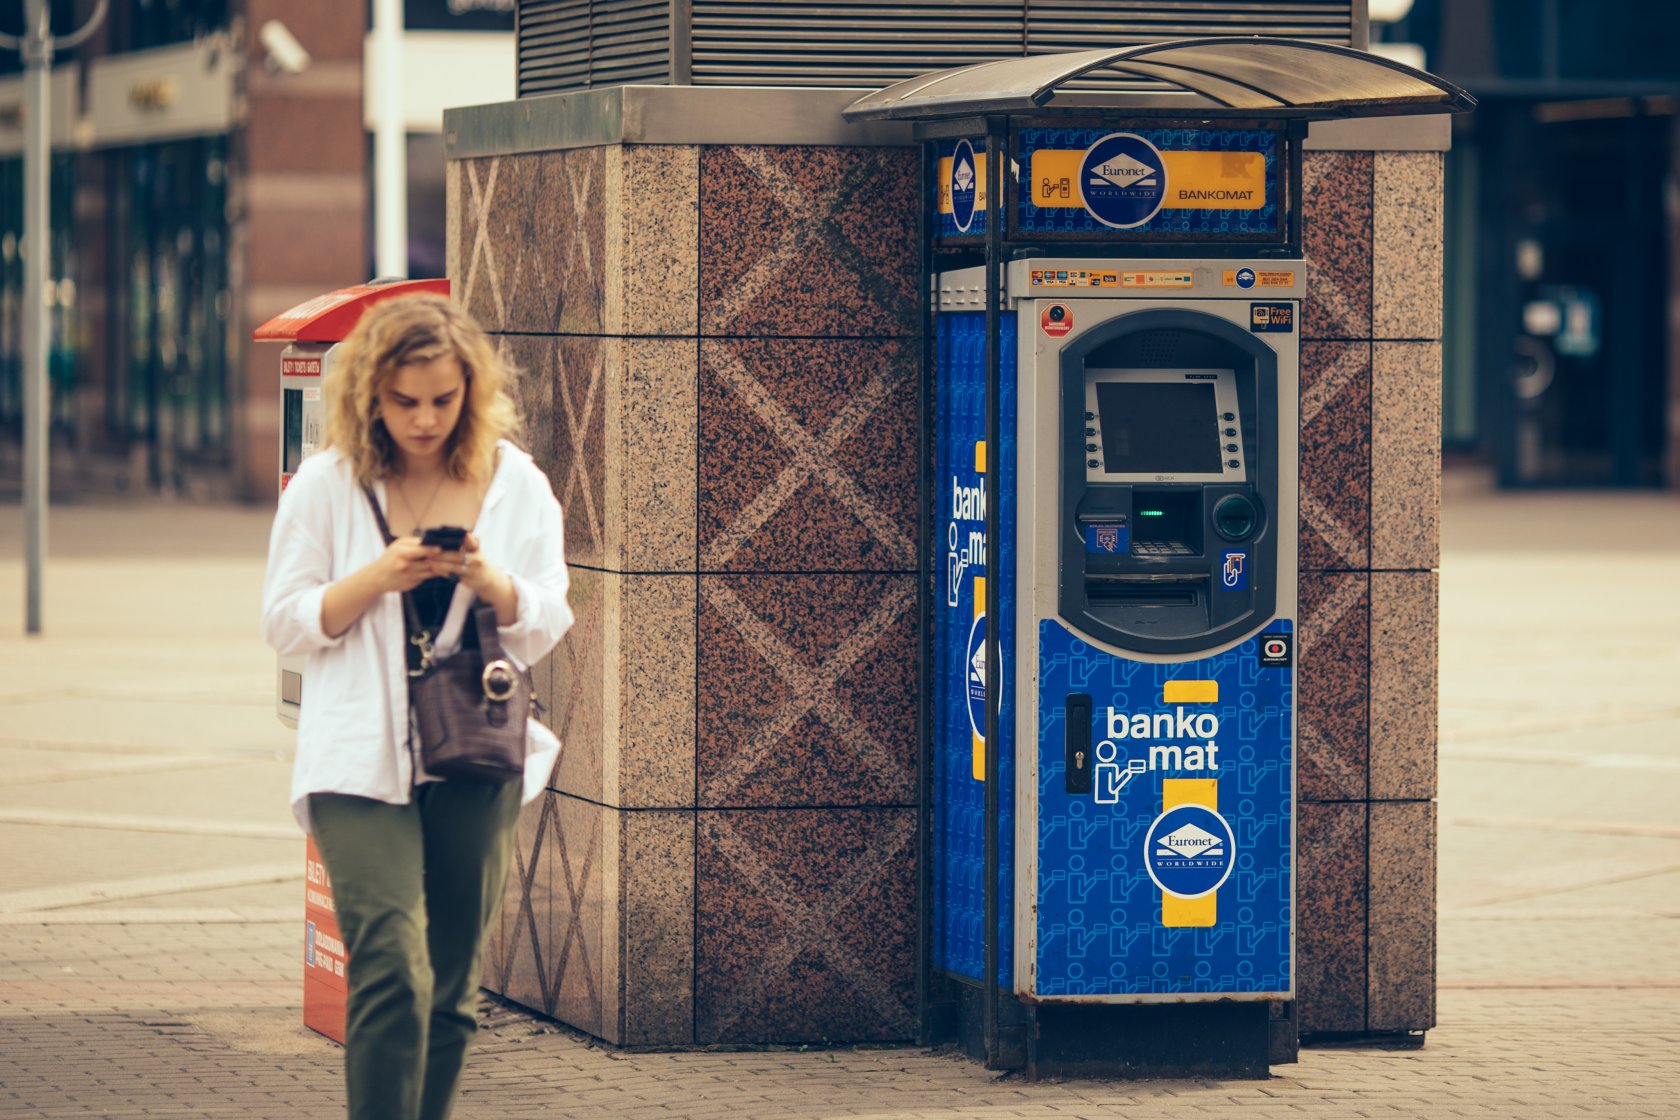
[(1245, 278), (963, 186), (1188, 851), (1106, 539), (1122, 180), (1276, 651)]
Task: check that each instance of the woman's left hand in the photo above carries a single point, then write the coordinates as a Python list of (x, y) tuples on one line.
[(481, 577)]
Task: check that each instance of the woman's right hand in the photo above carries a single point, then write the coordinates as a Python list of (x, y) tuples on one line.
[(403, 566)]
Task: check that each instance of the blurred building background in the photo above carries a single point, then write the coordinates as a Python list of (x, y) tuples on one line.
[(1562, 349), (202, 182), (200, 185)]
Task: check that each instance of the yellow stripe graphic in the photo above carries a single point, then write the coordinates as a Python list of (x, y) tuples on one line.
[(1190, 692), (1180, 913), (979, 742)]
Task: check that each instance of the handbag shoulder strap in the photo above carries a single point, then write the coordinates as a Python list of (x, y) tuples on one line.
[(489, 639), (378, 514), (410, 611)]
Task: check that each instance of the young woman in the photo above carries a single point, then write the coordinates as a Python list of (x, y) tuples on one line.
[(417, 413)]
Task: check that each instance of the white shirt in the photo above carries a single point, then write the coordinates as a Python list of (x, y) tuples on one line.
[(353, 722)]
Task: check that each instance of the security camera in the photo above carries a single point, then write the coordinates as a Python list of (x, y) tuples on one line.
[(285, 54)]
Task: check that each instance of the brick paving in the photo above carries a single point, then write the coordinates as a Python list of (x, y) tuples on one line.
[(130, 989)]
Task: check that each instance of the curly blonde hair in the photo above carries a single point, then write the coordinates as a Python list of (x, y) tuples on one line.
[(402, 331)]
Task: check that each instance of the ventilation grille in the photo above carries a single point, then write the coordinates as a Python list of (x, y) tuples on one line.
[(575, 44)]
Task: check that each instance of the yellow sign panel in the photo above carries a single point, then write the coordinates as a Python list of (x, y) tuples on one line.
[(945, 188), (1195, 180), (1190, 692)]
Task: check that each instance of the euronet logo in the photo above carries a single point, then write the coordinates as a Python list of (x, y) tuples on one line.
[(1189, 842), (1123, 171)]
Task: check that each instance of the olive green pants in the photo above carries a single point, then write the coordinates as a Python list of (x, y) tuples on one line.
[(416, 887)]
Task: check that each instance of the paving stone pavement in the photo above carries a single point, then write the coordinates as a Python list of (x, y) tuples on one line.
[(151, 886)]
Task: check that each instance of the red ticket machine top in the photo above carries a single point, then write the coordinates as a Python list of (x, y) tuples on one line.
[(328, 318)]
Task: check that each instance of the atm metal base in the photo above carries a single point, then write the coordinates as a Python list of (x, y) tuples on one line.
[(1218, 1040)]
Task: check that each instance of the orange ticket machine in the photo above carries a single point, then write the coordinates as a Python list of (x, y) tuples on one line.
[(312, 332)]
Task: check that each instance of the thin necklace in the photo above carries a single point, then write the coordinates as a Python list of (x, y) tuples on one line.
[(420, 518)]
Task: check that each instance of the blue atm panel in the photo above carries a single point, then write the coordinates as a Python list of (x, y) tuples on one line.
[(1102, 857), (963, 470)]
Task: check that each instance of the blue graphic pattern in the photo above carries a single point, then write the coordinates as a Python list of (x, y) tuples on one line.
[(1074, 219), (1099, 913), (959, 801)]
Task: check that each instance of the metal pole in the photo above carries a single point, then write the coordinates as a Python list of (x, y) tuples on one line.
[(390, 139), (996, 148), (37, 162)]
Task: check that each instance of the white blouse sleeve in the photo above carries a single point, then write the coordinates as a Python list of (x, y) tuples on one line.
[(300, 564), (539, 574)]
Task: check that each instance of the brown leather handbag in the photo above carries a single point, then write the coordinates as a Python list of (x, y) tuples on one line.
[(469, 708)]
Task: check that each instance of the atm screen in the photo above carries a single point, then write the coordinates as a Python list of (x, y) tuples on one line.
[(1156, 427)]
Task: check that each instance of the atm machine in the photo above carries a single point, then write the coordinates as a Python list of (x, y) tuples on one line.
[(1147, 520)]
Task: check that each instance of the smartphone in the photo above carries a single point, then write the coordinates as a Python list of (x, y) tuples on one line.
[(450, 538)]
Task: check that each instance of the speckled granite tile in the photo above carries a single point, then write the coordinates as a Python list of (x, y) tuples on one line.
[(651, 208), (651, 417), (1406, 455), (490, 228), (651, 753), (1333, 720), (808, 241), (529, 254), (1405, 619), (575, 441), (530, 362), (807, 690), (808, 451), (527, 910), (611, 421), (1331, 891), (454, 219), (1336, 241), (1335, 455), (624, 691), (1406, 246), (578, 712), (657, 920), (572, 943), (806, 926), (1402, 925)]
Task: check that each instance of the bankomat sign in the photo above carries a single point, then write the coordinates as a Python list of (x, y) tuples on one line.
[(1143, 183)]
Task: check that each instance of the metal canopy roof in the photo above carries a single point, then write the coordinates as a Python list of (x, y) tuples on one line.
[(1240, 75)]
